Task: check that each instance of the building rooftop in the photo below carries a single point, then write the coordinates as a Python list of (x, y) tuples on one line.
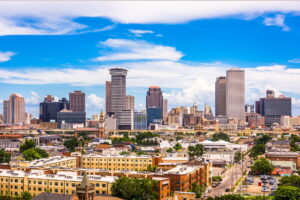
[(182, 169), (51, 196), (50, 160), (117, 156), (38, 174)]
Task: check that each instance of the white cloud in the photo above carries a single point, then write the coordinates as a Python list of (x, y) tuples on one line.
[(278, 20), (93, 101), (295, 60), (33, 99), (125, 49), (6, 56), (58, 17), (139, 33)]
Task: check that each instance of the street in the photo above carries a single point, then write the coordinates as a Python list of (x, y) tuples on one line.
[(231, 176)]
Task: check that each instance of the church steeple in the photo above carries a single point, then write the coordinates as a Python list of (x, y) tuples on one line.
[(86, 190), (101, 125)]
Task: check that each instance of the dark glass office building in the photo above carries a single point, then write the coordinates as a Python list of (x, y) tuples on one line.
[(49, 108), (154, 115), (273, 108), (70, 118)]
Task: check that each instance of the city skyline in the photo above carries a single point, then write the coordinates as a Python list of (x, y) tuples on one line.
[(183, 57)]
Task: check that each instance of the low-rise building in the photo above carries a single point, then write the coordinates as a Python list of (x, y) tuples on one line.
[(15, 183), (116, 163), (217, 156)]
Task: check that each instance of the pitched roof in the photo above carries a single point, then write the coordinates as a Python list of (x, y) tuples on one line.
[(52, 196)]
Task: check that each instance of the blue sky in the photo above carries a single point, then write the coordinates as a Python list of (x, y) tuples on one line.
[(52, 49)]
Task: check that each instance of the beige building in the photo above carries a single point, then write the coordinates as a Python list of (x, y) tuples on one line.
[(116, 163), (290, 122), (56, 161), (15, 109), (235, 93), (220, 96), (15, 183), (129, 102)]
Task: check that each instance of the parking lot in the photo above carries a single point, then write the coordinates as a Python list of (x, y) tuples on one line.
[(259, 185)]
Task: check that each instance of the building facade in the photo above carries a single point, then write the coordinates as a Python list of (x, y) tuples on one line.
[(272, 108), (77, 101), (235, 93), (140, 120), (15, 109), (108, 97), (220, 96), (154, 97), (49, 108), (129, 102)]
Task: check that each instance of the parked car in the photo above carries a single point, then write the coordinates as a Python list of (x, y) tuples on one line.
[(265, 189), (227, 190)]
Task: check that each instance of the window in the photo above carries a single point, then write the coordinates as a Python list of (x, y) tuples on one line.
[(103, 185), (55, 190)]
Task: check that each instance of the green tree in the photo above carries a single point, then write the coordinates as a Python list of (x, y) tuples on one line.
[(42, 152), (24, 196), (262, 166), (290, 181), (169, 150), (294, 146), (196, 151), (135, 189), (151, 169), (238, 156), (220, 136), (71, 144), (263, 139), (177, 147), (217, 178), (228, 197), (4, 157), (257, 150), (29, 144), (31, 154), (198, 189), (287, 193)]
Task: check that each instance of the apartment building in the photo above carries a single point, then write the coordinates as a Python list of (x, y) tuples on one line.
[(116, 163), (56, 161), (14, 183), (182, 177)]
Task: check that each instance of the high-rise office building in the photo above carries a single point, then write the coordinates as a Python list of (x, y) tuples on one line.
[(270, 94), (249, 108), (154, 115), (165, 107), (77, 101), (129, 102), (154, 97), (118, 99), (220, 96), (16, 109), (235, 93), (140, 120), (107, 97), (273, 108), (154, 104), (5, 111), (49, 108)]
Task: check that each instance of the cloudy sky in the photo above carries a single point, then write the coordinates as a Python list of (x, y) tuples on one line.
[(57, 47)]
